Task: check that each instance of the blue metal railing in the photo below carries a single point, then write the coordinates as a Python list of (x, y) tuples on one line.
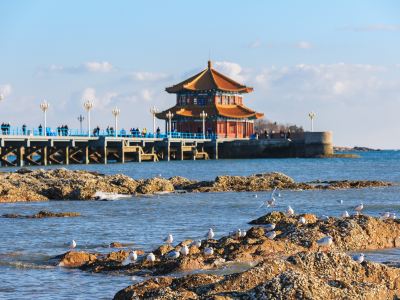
[(26, 131)]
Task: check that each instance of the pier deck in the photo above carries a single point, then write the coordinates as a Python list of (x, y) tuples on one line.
[(26, 150)]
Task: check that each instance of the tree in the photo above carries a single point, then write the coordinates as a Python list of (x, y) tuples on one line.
[(262, 125)]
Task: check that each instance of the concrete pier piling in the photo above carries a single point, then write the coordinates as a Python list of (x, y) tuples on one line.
[(17, 151)]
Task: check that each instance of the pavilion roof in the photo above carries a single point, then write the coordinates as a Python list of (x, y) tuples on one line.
[(209, 79), (234, 111)]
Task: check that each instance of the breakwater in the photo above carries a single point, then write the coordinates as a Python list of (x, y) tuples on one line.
[(20, 150)]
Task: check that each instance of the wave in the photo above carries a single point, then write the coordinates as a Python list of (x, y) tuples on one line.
[(104, 196)]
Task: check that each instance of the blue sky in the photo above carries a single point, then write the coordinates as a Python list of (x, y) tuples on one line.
[(339, 59)]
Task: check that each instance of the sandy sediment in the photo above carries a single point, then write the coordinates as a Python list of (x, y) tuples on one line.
[(63, 184)]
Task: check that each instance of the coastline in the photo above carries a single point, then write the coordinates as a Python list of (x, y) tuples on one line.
[(62, 184)]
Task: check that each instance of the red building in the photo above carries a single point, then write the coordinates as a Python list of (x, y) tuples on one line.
[(220, 97)]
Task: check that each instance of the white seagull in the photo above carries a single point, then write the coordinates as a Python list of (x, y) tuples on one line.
[(289, 211), (359, 257), (173, 254), (271, 235), (326, 241), (302, 220), (151, 257), (359, 208), (270, 202), (270, 227), (324, 218), (72, 245), (196, 243), (345, 214), (169, 239), (185, 250), (132, 257), (392, 216), (208, 251), (210, 234), (243, 233)]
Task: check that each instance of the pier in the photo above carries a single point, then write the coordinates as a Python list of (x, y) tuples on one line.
[(34, 149), (31, 148)]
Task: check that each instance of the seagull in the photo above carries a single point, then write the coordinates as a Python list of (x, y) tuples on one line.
[(324, 218), (385, 215), (270, 202), (359, 208), (345, 214), (196, 243), (302, 220), (392, 216), (132, 257), (271, 235), (210, 234), (255, 196), (289, 211), (72, 245), (326, 241), (359, 257), (340, 201), (151, 257), (169, 239), (243, 233), (208, 251), (173, 254), (270, 227), (185, 250)]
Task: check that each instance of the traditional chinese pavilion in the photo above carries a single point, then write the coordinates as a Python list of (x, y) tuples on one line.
[(220, 97)]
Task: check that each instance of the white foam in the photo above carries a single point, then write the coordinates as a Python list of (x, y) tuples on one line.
[(104, 196)]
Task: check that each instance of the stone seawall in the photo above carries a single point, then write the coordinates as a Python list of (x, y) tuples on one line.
[(310, 144)]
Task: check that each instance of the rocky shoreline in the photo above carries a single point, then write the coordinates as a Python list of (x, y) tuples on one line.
[(63, 184), (290, 265)]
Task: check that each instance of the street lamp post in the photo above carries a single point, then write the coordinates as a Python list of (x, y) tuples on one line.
[(312, 116), (153, 111), (88, 105), (116, 111), (169, 116), (80, 119), (44, 106), (203, 115)]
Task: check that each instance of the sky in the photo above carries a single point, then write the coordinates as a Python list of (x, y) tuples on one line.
[(339, 59)]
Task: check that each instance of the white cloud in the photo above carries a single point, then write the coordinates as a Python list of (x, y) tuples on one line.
[(255, 44), (230, 69), (89, 94), (95, 66), (146, 94), (374, 27), (149, 76), (87, 67), (326, 81), (304, 45), (5, 89)]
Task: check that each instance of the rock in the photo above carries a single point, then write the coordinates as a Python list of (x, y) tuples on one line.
[(304, 275), (75, 259), (255, 232), (153, 185), (163, 249), (43, 214), (353, 233), (63, 184)]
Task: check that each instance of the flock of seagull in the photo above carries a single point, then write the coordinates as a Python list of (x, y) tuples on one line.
[(325, 241)]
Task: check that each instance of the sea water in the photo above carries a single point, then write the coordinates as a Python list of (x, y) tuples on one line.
[(28, 244)]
